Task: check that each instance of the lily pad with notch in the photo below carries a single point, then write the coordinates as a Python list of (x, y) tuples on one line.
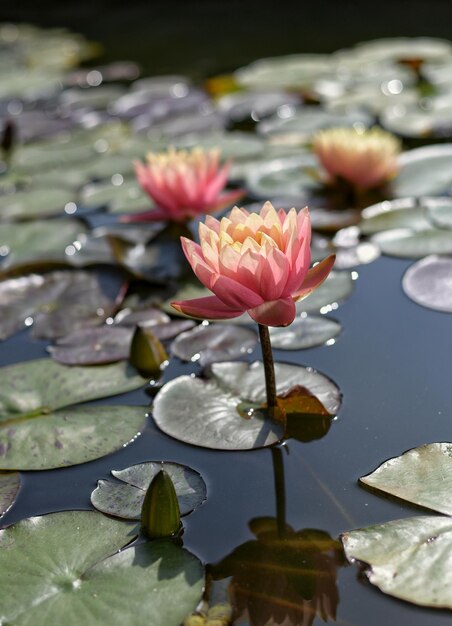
[(305, 332), (79, 563), (9, 488), (38, 432), (212, 412), (125, 499)]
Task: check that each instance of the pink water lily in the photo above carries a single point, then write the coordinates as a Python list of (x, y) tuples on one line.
[(365, 159), (254, 262), (183, 184)]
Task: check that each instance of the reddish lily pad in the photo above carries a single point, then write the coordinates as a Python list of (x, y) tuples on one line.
[(93, 346)]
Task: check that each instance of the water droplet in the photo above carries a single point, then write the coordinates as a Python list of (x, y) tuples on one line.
[(101, 146), (28, 321), (354, 275), (117, 179), (70, 250), (70, 208), (94, 78)]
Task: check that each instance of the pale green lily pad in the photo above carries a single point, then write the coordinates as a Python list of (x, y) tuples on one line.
[(389, 215), (428, 283), (37, 241), (35, 203), (48, 154), (214, 342), (305, 332), (125, 499), (9, 488), (127, 197), (424, 171), (409, 244), (337, 287), (440, 213), (233, 145), (290, 176), (422, 476), (296, 71), (410, 559), (60, 438), (206, 412), (74, 569)]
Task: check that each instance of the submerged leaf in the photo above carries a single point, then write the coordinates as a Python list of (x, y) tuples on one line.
[(125, 499), (74, 568)]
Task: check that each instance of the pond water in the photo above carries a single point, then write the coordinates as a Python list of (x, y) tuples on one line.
[(392, 364)]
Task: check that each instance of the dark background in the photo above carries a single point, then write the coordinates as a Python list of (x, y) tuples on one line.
[(204, 37)]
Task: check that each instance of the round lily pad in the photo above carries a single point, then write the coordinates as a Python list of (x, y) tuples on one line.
[(60, 438), (401, 213), (422, 476), (213, 342), (439, 211), (34, 203), (125, 499), (123, 198), (93, 346), (409, 244), (9, 488), (424, 171), (35, 388), (38, 240), (233, 145), (286, 176), (305, 332), (294, 70), (410, 558), (428, 282), (74, 569), (210, 412), (337, 287)]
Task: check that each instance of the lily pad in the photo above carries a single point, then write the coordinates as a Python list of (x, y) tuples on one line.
[(305, 332), (409, 244), (93, 346), (422, 476), (125, 499), (9, 488), (440, 212), (410, 559), (54, 303), (214, 342), (74, 568), (428, 282), (206, 412), (35, 203), (337, 287), (390, 215), (126, 197), (424, 171), (286, 176), (37, 241), (60, 438)]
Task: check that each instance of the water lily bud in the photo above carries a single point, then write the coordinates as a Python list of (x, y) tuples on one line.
[(160, 515), (147, 354)]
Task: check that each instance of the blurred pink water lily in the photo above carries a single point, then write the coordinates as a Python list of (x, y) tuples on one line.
[(365, 159), (254, 262), (183, 184)]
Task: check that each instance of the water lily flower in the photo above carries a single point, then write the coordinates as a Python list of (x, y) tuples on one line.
[(365, 159), (254, 262), (183, 184)]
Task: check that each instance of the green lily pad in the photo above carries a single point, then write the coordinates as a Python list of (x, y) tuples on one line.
[(337, 287), (290, 176), (296, 70), (424, 171), (206, 412), (9, 488), (52, 153), (74, 569), (390, 215), (37, 241), (440, 212), (305, 332), (428, 283), (125, 499), (410, 559), (233, 145), (214, 342), (126, 197), (422, 476), (34, 388), (60, 438), (409, 244), (54, 303)]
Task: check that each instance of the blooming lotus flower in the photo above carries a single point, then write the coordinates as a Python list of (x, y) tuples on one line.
[(254, 262), (365, 159), (183, 184)]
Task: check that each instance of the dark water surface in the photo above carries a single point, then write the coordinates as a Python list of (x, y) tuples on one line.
[(392, 361)]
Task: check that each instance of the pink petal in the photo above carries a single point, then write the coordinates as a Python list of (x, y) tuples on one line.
[(274, 274), (315, 277), (228, 198), (196, 259), (233, 294), (276, 313), (210, 307)]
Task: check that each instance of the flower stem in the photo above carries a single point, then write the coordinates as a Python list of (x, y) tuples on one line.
[(269, 369)]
